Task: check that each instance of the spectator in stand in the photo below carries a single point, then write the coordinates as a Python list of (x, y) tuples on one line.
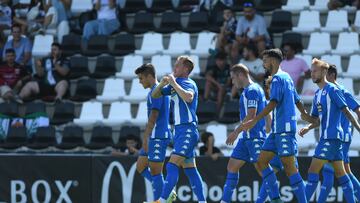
[(251, 28), (226, 37), (12, 77), (21, 45), (296, 67), (106, 22), (132, 147), (218, 79), (208, 149), (6, 16), (51, 72), (252, 61), (336, 4)]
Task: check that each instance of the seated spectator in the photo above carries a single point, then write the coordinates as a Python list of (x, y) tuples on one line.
[(106, 22), (218, 79), (132, 147), (6, 16), (43, 16), (253, 62), (21, 45), (335, 4), (296, 67), (51, 72), (251, 28), (12, 77), (226, 37), (209, 149)]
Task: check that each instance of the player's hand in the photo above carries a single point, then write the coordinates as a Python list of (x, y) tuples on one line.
[(171, 79), (145, 146), (303, 131), (231, 138), (248, 125), (165, 80)]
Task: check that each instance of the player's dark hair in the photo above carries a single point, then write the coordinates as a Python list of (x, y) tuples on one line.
[(332, 70), (274, 53), (205, 136), (56, 45), (146, 69), (10, 51)]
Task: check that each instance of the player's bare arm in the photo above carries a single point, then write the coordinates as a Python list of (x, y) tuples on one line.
[(233, 135), (157, 91), (351, 118), (249, 124), (187, 96), (149, 127)]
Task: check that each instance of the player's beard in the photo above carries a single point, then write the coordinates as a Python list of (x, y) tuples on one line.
[(317, 80)]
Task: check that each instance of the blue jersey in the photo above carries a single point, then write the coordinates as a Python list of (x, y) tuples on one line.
[(184, 113), (253, 96), (162, 127), (327, 105), (283, 92), (353, 105)]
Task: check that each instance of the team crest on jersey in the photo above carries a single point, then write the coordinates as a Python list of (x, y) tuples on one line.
[(324, 92)]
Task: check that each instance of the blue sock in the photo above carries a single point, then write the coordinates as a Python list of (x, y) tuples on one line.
[(356, 185), (270, 177), (327, 183), (172, 177), (298, 187), (313, 180), (263, 193), (158, 183), (146, 174), (195, 182), (348, 189), (229, 187)]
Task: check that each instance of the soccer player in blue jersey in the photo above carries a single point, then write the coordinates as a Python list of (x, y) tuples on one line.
[(157, 133), (252, 101), (328, 105), (184, 94), (328, 170), (281, 141)]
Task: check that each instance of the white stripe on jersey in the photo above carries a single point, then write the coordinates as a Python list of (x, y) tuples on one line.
[(189, 113), (328, 104), (275, 131), (316, 106), (176, 109)]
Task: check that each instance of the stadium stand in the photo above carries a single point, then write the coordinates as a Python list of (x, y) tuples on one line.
[(104, 90)]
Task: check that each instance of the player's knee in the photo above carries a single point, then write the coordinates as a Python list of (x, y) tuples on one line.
[(347, 168), (289, 168)]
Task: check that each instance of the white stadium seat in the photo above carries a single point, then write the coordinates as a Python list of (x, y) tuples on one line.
[(348, 83), (196, 71), (162, 64), (142, 115), (353, 70), (348, 43), (80, 6), (179, 44), (320, 5), (336, 22), (308, 91), (152, 43), (309, 21), (130, 63), (357, 20), (334, 59), (296, 5), (119, 113), (308, 141), (205, 41), (114, 90), (220, 134), (137, 92), (42, 45), (91, 113), (319, 44)]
